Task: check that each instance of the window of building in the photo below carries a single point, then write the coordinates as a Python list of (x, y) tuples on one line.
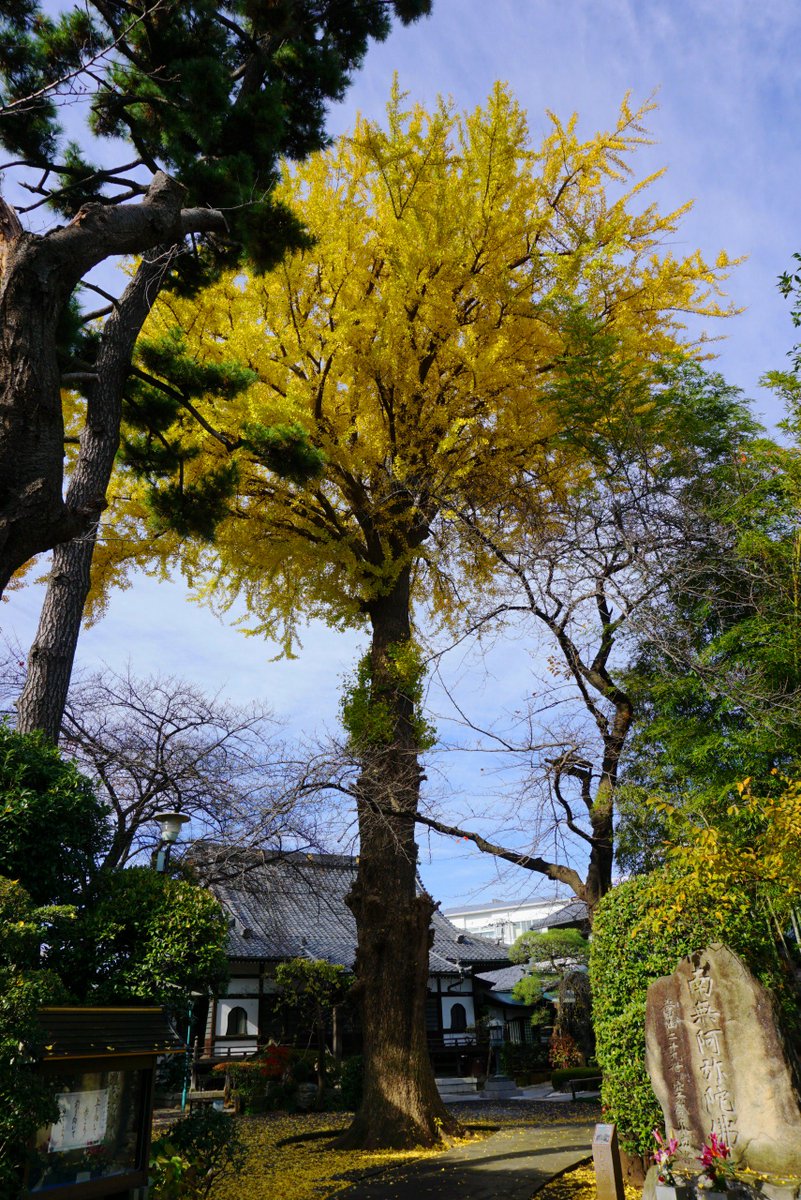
[(458, 1018), (237, 1023)]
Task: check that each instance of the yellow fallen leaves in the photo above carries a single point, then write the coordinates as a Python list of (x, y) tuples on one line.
[(579, 1184), (281, 1167), (301, 1170)]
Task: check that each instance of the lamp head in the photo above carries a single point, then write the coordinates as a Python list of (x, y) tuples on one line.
[(170, 824)]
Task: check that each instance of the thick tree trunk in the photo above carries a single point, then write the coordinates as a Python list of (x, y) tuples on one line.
[(401, 1105), (41, 704), (599, 868), (50, 659), (37, 277), (31, 427)]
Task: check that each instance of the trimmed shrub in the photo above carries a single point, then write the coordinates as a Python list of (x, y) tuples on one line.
[(563, 1051), (629, 951), (193, 1154)]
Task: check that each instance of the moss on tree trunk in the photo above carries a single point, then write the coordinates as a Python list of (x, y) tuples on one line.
[(401, 1106)]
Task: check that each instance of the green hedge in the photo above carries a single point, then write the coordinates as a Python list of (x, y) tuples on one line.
[(193, 1153), (625, 956)]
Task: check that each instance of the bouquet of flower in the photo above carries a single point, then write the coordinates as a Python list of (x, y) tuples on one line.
[(716, 1161), (664, 1157)]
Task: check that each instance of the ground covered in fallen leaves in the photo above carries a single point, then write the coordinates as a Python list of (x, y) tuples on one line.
[(579, 1184), (286, 1161), (308, 1169)]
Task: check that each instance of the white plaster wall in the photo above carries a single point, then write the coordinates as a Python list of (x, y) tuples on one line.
[(451, 983), (239, 986), (448, 1003), (224, 1007)]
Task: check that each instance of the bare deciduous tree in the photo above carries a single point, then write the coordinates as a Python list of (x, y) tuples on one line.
[(591, 578), (160, 743)]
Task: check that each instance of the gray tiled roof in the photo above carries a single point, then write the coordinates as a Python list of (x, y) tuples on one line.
[(504, 979), (294, 907), (574, 913)]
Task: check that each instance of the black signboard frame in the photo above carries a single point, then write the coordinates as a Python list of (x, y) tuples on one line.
[(124, 1181), (111, 1114)]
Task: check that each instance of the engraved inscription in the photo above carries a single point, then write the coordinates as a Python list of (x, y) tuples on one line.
[(717, 1059)]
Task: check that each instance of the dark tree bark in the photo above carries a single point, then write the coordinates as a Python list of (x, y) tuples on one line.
[(597, 880), (401, 1105), (41, 704), (38, 274), (602, 811)]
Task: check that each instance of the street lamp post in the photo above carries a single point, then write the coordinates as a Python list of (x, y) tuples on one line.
[(170, 824)]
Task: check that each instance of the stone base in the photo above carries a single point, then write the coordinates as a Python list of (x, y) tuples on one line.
[(501, 1087), (457, 1087), (469, 1087), (760, 1190)]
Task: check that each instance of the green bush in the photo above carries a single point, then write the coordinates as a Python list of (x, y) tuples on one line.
[(123, 935), (270, 1080), (248, 1079), (352, 1082), (303, 1066), (53, 828), (193, 1154), (143, 936), (564, 1052), (28, 1095), (628, 951)]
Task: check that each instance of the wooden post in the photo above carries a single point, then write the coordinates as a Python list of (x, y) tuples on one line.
[(606, 1159)]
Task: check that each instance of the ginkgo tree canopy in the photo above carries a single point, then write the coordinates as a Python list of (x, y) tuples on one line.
[(408, 352)]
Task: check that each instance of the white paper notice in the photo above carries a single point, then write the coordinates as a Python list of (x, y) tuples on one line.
[(82, 1122)]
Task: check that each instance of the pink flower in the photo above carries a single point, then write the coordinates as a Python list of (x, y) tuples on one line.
[(714, 1152), (664, 1155), (714, 1159)]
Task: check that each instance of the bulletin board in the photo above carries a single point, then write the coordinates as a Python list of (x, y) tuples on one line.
[(98, 1135)]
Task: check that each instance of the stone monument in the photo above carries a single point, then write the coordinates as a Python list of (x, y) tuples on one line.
[(718, 1063)]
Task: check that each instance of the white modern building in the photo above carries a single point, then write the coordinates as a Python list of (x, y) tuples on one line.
[(503, 921)]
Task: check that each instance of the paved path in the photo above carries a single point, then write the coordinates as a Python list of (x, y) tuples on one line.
[(513, 1163)]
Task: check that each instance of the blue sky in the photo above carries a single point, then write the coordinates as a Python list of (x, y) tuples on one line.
[(726, 129)]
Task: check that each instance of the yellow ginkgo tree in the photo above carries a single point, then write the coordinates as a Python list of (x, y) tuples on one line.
[(396, 379)]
